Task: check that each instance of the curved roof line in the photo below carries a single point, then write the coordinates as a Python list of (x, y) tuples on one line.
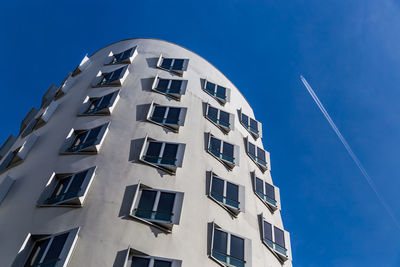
[(147, 38)]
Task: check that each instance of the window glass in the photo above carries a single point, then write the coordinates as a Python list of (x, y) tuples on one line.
[(224, 118), (215, 146), (270, 191), (175, 86), (259, 186), (76, 184), (228, 152), (220, 241), (165, 206), (146, 203), (37, 253), (178, 64), (253, 125), (153, 152), (267, 231), (166, 63), (210, 87), (279, 237), (169, 154), (55, 250), (232, 194), (162, 84), (60, 190), (93, 133), (245, 120), (252, 149), (140, 262), (261, 155), (213, 114), (221, 92), (160, 263), (217, 189), (237, 247), (158, 114), (173, 115)]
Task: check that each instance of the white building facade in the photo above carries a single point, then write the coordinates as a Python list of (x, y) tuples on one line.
[(145, 155)]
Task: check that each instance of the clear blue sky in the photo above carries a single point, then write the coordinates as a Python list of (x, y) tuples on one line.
[(347, 49)]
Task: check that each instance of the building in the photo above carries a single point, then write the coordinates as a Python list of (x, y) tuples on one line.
[(145, 155)]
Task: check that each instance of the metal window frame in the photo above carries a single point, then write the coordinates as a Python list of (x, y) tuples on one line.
[(219, 100), (169, 126), (259, 125), (236, 152), (174, 96)]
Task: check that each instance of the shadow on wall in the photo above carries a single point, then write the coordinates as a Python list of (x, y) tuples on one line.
[(135, 149), (152, 62), (120, 259), (147, 84), (141, 112)]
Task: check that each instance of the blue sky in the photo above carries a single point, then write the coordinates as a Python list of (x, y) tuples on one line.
[(348, 50)]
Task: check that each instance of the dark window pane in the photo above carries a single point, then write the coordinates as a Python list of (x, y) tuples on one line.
[(175, 86), (212, 114), (146, 203), (169, 154), (261, 154), (154, 149), (115, 75), (165, 206), (79, 140), (162, 84), (60, 190), (220, 241), (259, 186), (158, 114), (55, 250), (217, 189), (267, 231), (173, 115), (166, 63), (178, 64), (93, 134), (253, 125), (228, 151), (224, 118), (215, 146), (232, 191), (76, 184), (37, 252), (237, 247), (140, 262), (279, 237), (252, 149), (245, 120), (160, 263), (210, 87), (221, 92), (270, 191)]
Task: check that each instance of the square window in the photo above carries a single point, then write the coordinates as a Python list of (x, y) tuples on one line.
[(229, 249), (18, 155), (223, 120), (86, 141), (47, 250), (124, 57), (159, 208), (228, 195), (258, 155), (163, 155), (225, 152), (274, 238), (218, 92), (102, 105), (266, 192), (176, 65), (111, 78), (170, 87), (167, 116), (67, 189), (252, 126)]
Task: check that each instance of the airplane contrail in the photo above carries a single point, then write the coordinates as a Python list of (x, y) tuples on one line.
[(351, 153)]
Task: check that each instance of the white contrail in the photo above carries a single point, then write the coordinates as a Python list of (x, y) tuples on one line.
[(351, 153)]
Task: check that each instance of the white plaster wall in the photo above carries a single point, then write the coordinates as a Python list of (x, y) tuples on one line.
[(105, 228)]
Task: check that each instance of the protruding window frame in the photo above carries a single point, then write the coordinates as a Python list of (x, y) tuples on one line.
[(171, 126), (236, 152), (133, 52), (224, 128), (105, 111), (262, 167), (220, 100), (117, 82), (255, 135), (170, 69), (131, 253), (173, 95), (41, 118), (264, 198)]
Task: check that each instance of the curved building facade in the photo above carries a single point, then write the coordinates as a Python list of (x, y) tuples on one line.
[(145, 155)]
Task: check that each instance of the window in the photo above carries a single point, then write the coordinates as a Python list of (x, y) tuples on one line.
[(267, 193), (228, 195), (47, 250), (18, 155), (225, 152), (176, 65), (112, 78), (67, 189), (6, 146), (102, 105), (163, 155), (41, 119), (5, 187), (159, 208), (274, 238), (170, 87), (258, 155), (65, 86), (222, 119), (49, 96), (28, 119), (82, 66), (137, 258), (220, 93), (125, 57), (85, 141), (229, 249), (167, 116), (252, 126)]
